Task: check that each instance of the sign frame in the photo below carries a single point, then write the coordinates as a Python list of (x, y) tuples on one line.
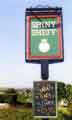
[(33, 106), (43, 13)]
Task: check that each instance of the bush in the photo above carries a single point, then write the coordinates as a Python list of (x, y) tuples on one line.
[(70, 108)]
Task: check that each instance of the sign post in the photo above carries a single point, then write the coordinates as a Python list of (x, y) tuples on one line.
[(44, 70), (44, 73), (44, 45)]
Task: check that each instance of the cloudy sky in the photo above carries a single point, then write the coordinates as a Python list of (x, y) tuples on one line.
[(14, 71)]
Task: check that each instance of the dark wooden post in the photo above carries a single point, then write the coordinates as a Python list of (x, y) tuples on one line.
[(44, 73), (44, 70)]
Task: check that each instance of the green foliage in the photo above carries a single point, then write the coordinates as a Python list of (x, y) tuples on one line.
[(25, 96), (64, 91), (9, 96), (16, 114), (69, 92), (23, 114), (59, 117), (2, 98), (70, 108), (61, 91)]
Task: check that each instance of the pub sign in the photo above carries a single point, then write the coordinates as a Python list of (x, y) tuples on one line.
[(44, 34)]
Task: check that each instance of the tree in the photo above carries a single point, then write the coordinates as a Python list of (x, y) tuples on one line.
[(69, 92), (61, 91), (11, 96)]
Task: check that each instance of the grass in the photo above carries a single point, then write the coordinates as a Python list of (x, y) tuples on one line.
[(21, 113), (65, 111), (16, 114)]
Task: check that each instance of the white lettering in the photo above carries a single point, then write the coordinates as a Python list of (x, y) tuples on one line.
[(43, 32), (46, 24)]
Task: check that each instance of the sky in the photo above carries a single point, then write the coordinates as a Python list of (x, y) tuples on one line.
[(14, 71)]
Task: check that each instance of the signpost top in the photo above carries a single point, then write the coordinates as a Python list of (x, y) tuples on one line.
[(50, 9), (44, 34)]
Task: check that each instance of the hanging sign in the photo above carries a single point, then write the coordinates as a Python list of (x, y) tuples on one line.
[(45, 99), (44, 37)]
